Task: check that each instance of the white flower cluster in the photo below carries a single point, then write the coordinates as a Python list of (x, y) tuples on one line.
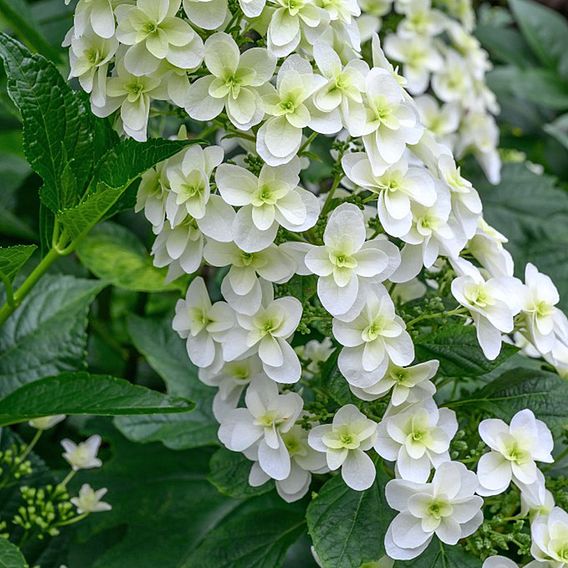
[(78, 456), (444, 67), (396, 204)]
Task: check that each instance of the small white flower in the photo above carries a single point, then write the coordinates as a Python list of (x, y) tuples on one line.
[(345, 263), (241, 287), (493, 303), (154, 33), (233, 83), (315, 353), (84, 454), (267, 202), (466, 204), (304, 460), (267, 332), (430, 235), (387, 121), (90, 501), (374, 338), (408, 384), (267, 416), (419, 57), (95, 14), (486, 246), (536, 499), (46, 422), (152, 194), (417, 438), (451, 82), (288, 23), (397, 187), (550, 539), (280, 137), (514, 451), (188, 179), (203, 324), (344, 443), (440, 119), (446, 507), (132, 95), (345, 84), (539, 308), (89, 59), (231, 380)]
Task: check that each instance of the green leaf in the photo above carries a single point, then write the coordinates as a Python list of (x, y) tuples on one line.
[(27, 30), (348, 527), (10, 555), (256, 540), (546, 394), (162, 506), (230, 473), (542, 87), (118, 168), (114, 254), (84, 394), (544, 29), (47, 335), (13, 258), (58, 137), (457, 349), (535, 221), (559, 130), (505, 44), (439, 556), (165, 352)]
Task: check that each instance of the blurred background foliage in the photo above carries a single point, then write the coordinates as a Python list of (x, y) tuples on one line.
[(167, 510)]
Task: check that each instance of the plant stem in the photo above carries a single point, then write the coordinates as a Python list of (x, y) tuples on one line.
[(330, 194), (8, 309), (31, 445), (307, 143), (67, 479), (456, 312)]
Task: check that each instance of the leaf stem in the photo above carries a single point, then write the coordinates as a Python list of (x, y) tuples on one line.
[(31, 445), (8, 309)]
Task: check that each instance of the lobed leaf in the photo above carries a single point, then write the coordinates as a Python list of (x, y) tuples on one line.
[(165, 352), (47, 335), (10, 555), (13, 258), (84, 394), (57, 124), (457, 349), (118, 168), (348, 527), (114, 254)]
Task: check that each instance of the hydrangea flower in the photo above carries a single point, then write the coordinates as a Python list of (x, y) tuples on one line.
[(304, 460), (233, 84), (372, 340), (202, 324), (266, 202), (267, 417), (82, 455), (514, 450), (90, 501), (446, 507), (346, 261), (417, 438), (267, 332), (344, 443)]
